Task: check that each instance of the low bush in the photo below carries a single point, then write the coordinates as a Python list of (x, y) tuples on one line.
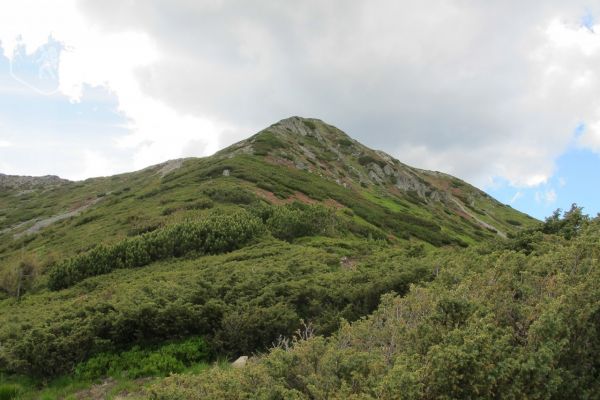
[(493, 324), (297, 220), (240, 303), (309, 124), (266, 142), (216, 234), (368, 159), (234, 195)]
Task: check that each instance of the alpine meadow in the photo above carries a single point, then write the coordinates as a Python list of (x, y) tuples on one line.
[(333, 270)]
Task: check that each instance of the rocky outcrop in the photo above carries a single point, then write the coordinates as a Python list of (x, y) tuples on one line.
[(299, 126), (30, 182), (169, 166)]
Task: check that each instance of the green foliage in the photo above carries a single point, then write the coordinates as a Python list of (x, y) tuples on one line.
[(309, 124), (216, 234), (200, 204), (138, 362), (345, 142), (241, 302), (368, 159), (456, 183), (228, 194), (266, 142), (332, 265), (493, 324), (87, 219), (569, 225), (10, 391), (296, 220)]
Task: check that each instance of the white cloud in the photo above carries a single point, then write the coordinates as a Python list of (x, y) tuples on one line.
[(96, 57), (5, 143), (479, 90), (446, 84), (546, 197)]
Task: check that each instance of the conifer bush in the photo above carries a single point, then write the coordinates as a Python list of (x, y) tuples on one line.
[(216, 234)]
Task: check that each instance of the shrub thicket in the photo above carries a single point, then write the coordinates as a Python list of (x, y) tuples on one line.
[(297, 220), (493, 324), (240, 302), (213, 235)]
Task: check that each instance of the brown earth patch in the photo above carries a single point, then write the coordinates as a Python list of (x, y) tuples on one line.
[(297, 196), (334, 203), (269, 196), (301, 197)]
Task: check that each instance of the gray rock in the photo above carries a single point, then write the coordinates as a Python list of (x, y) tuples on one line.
[(29, 182), (374, 177), (240, 362), (389, 171), (374, 167)]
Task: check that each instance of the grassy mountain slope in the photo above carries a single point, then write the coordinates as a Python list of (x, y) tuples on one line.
[(296, 159), (297, 223)]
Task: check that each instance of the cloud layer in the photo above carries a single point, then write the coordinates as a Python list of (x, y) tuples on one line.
[(482, 90)]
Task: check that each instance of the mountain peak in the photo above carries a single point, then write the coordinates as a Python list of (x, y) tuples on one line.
[(309, 127), (311, 145)]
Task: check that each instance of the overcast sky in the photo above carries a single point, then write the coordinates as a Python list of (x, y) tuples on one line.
[(504, 94)]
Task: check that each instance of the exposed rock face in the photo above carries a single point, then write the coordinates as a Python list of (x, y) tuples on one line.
[(389, 171), (406, 182), (170, 166), (379, 175), (29, 182), (375, 177), (298, 125)]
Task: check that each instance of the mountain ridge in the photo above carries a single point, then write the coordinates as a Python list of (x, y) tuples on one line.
[(307, 145)]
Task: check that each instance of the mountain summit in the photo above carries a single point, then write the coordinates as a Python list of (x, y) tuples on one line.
[(315, 147)]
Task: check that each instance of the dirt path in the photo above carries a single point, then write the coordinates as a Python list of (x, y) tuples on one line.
[(479, 221), (49, 221)]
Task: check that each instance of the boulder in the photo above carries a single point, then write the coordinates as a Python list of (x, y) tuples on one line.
[(240, 362)]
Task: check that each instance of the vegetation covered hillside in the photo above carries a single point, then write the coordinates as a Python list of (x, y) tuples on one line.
[(46, 220), (518, 320), (121, 280)]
